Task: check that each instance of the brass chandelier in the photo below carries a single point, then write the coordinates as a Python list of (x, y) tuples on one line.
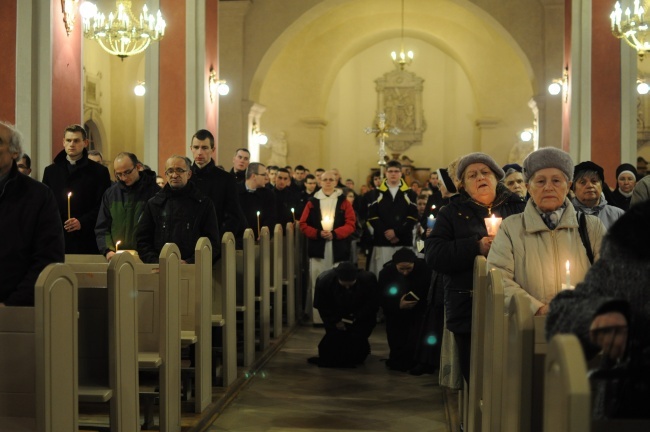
[(630, 25)]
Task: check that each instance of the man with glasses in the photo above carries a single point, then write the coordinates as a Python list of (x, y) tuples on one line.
[(123, 204), (216, 184), (78, 184), (257, 201), (180, 213), (392, 215)]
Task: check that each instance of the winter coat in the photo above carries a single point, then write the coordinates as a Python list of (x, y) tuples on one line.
[(641, 191), (285, 200), (608, 214), (621, 201), (31, 233), (221, 188), (344, 226), (120, 211), (177, 216), (453, 245), (87, 180), (399, 214), (532, 257), (260, 200)]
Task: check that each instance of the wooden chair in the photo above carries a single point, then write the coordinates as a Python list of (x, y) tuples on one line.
[(475, 392), (246, 275), (38, 389), (276, 280), (495, 345), (228, 308), (263, 291), (196, 321), (108, 339), (159, 334)]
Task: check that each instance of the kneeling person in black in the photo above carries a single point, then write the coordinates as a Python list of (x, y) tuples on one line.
[(346, 299)]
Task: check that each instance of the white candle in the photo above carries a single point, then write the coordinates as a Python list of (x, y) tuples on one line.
[(293, 214), (117, 245), (568, 274), (69, 196), (492, 224), (431, 221), (258, 224), (327, 223)]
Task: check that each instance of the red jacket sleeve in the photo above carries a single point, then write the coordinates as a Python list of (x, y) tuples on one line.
[(350, 222), (309, 231)]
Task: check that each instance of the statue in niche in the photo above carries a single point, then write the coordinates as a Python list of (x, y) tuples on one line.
[(399, 95), (279, 150)]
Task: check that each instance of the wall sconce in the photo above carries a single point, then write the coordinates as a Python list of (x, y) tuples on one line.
[(259, 136), (139, 89), (642, 87), (68, 10), (560, 85), (526, 135), (216, 85)]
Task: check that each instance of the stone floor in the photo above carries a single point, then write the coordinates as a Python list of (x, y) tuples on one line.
[(290, 395)]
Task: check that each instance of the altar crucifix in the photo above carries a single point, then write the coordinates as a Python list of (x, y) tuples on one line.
[(381, 131)]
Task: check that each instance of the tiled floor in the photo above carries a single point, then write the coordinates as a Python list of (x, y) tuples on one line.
[(293, 396)]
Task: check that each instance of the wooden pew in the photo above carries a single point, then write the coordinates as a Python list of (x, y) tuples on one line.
[(246, 277), (196, 320), (263, 292), (85, 259), (227, 315), (276, 280), (108, 342), (38, 388), (474, 407), (290, 274), (299, 260), (159, 334), (495, 345)]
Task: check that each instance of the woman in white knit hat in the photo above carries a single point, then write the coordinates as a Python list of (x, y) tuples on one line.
[(532, 248)]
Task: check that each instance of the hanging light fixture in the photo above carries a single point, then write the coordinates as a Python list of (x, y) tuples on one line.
[(122, 34), (402, 58), (631, 26)]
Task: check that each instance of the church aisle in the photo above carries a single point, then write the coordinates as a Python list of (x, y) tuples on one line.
[(290, 395)]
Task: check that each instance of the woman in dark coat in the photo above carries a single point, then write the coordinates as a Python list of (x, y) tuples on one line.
[(625, 182), (460, 234)]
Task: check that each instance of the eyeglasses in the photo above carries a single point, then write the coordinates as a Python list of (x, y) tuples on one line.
[(172, 171), (123, 174)]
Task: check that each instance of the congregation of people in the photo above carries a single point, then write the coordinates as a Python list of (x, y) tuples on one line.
[(418, 241)]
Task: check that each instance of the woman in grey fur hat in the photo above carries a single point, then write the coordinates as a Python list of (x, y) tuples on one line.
[(532, 249), (460, 234), (610, 313)]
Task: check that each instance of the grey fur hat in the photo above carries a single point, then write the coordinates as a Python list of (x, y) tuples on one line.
[(548, 157), (483, 158)]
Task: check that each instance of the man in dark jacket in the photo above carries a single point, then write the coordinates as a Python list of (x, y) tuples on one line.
[(179, 214), (30, 228), (78, 184), (240, 163), (392, 215), (123, 204), (257, 202), (216, 184), (346, 298), (286, 198)]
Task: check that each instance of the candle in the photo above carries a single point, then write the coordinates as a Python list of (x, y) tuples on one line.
[(327, 223), (117, 246), (492, 224), (258, 225), (568, 274), (293, 214), (431, 221), (69, 195)]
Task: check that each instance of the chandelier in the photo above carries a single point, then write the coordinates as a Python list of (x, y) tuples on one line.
[(402, 58), (122, 34), (631, 27)]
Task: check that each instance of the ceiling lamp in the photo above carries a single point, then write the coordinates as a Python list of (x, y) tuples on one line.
[(631, 27), (402, 58), (121, 33)]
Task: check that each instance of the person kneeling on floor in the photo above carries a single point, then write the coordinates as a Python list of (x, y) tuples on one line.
[(346, 298)]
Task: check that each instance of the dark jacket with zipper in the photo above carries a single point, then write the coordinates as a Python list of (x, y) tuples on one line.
[(399, 214), (31, 233), (453, 245), (177, 216)]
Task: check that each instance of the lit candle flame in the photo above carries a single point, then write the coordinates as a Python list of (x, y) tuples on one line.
[(117, 245)]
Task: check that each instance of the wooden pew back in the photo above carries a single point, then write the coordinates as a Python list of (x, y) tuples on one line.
[(290, 273), (40, 392), (246, 268), (478, 344), (276, 279), (264, 289), (229, 285)]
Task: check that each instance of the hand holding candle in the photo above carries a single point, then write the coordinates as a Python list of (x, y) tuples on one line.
[(492, 224), (327, 223)]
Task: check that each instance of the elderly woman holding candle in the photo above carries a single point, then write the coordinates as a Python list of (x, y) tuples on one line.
[(546, 248), (327, 221), (460, 234)]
